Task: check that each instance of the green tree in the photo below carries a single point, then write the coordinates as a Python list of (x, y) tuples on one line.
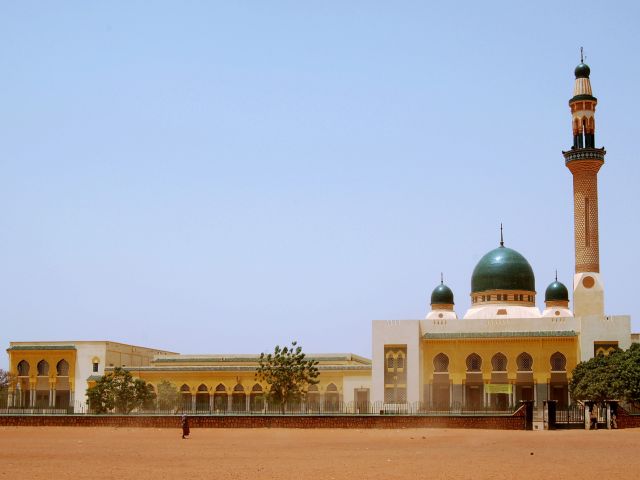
[(168, 395), (120, 391), (628, 374), (287, 373), (596, 379), (608, 377)]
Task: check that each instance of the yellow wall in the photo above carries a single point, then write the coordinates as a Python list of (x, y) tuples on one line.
[(540, 348)]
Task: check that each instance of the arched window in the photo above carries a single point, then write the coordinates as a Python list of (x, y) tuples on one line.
[(524, 362), (312, 388), (558, 362), (400, 361), (499, 362), (332, 388), (391, 362), (62, 368), (23, 368), (43, 368), (202, 388), (257, 388), (95, 364), (221, 388), (185, 388), (441, 363), (474, 363), (238, 388)]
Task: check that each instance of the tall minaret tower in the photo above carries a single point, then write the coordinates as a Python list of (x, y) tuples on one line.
[(584, 160)]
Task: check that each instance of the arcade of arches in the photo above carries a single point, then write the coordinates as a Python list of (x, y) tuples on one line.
[(497, 373), (43, 380)]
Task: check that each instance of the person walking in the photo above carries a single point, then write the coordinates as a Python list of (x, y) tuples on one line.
[(185, 427)]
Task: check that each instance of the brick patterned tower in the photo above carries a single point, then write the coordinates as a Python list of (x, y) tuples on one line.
[(584, 161)]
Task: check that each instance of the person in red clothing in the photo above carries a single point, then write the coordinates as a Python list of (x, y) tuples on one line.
[(185, 427)]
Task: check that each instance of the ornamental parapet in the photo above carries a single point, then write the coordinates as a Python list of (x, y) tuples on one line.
[(584, 154)]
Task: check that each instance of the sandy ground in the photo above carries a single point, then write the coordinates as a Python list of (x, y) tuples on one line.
[(141, 453)]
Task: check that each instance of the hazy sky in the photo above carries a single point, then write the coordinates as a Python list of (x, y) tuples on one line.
[(225, 176)]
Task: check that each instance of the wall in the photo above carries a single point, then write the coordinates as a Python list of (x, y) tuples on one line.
[(624, 420), (397, 332), (515, 422), (350, 383), (609, 328)]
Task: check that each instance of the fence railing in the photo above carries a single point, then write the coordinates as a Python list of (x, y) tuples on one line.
[(270, 408)]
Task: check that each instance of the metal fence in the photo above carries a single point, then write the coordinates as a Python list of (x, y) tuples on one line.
[(270, 408)]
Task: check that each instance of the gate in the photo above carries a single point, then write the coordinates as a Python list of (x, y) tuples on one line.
[(570, 417)]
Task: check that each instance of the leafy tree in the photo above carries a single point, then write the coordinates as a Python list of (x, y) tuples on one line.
[(118, 390), (168, 395), (6, 378), (287, 373), (595, 380), (608, 377), (629, 375)]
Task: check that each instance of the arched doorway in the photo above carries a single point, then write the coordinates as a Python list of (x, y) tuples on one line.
[(239, 401), (313, 398), (558, 385), (63, 386), (331, 398), (524, 377), (499, 401), (256, 398), (441, 390), (43, 386), (202, 399), (185, 397), (474, 386), (220, 402)]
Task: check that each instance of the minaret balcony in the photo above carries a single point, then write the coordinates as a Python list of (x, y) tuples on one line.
[(584, 154)]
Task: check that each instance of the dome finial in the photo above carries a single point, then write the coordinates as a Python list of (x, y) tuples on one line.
[(501, 236), (556, 274), (581, 55), (441, 279)]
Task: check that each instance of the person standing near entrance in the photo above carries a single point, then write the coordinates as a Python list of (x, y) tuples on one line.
[(594, 418), (185, 427)]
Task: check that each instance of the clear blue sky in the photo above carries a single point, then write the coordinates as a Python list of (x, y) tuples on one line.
[(225, 176)]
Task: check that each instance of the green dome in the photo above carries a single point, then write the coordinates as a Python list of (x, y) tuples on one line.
[(582, 71), (556, 292), (442, 295), (503, 269)]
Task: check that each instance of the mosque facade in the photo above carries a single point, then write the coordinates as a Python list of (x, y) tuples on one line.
[(501, 351)]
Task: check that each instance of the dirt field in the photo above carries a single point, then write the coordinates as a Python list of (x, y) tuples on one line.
[(97, 453)]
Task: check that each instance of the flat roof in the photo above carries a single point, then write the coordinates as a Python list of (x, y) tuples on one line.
[(252, 357), (560, 333)]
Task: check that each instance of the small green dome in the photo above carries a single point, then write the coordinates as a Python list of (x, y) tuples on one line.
[(442, 295), (582, 70), (556, 291), (503, 269)]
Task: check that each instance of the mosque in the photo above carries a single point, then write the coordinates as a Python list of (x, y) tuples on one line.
[(503, 350)]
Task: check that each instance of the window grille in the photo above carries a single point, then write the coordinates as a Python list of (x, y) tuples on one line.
[(441, 363), (474, 363)]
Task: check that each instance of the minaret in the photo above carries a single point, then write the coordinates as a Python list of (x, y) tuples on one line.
[(584, 160)]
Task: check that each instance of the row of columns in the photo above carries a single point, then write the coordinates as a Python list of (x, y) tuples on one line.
[(457, 393), (20, 398)]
